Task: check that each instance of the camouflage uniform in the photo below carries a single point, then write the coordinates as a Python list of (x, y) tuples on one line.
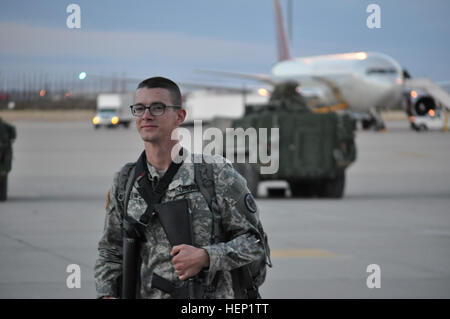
[(244, 247), (7, 136)]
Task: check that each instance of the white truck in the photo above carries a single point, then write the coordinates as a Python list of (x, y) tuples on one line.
[(113, 109), (432, 120)]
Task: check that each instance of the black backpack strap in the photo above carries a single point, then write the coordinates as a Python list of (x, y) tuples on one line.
[(125, 185), (204, 178), (153, 195)]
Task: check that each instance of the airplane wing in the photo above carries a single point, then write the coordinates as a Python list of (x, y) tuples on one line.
[(266, 78), (121, 80), (218, 88)]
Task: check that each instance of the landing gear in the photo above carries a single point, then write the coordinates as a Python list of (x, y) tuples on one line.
[(378, 124), (371, 120)]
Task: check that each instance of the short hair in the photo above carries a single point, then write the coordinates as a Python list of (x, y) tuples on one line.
[(159, 82)]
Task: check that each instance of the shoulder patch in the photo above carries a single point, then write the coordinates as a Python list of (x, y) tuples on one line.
[(250, 203), (107, 200)]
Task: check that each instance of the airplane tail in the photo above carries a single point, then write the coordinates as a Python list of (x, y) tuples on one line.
[(283, 52), (282, 40)]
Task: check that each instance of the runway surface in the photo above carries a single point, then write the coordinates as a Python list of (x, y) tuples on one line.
[(395, 214)]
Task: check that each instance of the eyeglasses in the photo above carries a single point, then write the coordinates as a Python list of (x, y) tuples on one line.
[(155, 109)]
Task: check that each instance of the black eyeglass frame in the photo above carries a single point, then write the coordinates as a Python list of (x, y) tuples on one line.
[(153, 105)]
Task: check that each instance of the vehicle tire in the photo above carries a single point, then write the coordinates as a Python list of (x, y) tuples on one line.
[(276, 192), (3, 187), (303, 189), (96, 127), (126, 124), (333, 187), (250, 174), (422, 128)]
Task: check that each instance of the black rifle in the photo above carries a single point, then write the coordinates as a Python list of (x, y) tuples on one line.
[(175, 218), (131, 263)]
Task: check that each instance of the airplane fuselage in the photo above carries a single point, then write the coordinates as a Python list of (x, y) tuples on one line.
[(365, 80)]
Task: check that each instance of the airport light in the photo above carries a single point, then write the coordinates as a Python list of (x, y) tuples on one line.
[(263, 92), (361, 55), (82, 75)]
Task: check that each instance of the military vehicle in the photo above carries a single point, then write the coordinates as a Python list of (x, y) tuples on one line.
[(313, 149), (7, 137)]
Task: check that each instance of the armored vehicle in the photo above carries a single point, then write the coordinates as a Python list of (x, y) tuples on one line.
[(7, 137), (311, 151)]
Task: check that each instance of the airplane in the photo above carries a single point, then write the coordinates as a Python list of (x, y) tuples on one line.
[(360, 82)]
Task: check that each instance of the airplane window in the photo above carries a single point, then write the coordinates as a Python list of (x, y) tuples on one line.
[(381, 71)]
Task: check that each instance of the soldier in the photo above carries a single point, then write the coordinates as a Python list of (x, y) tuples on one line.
[(226, 231), (7, 137)]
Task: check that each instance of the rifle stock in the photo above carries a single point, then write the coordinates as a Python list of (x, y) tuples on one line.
[(130, 265)]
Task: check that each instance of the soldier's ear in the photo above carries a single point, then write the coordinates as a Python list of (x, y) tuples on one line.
[(181, 113)]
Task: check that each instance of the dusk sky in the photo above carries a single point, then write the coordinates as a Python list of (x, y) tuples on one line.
[(173, 38)]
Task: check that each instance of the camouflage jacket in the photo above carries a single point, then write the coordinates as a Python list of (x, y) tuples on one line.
[(7, 136), (243, 247)]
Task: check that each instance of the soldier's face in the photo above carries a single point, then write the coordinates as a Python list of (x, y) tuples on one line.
[(157, 129)]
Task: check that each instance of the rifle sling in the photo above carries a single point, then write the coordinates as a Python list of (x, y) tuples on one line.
[(145, 189)]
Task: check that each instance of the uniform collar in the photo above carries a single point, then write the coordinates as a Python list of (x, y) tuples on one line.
[(184, 175)]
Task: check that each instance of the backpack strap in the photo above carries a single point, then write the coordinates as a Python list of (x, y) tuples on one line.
[(125, 185), (204, 178)]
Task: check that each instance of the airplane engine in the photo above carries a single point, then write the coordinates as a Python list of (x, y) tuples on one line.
[(424, 104), (419, 103)]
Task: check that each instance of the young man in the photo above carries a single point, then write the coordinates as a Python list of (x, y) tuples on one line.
[(214, 251)]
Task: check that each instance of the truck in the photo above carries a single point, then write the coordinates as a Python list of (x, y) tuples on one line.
[(113, 110), (433, 120), (314, 150)]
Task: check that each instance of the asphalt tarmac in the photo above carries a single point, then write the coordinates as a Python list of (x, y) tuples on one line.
[(395, 214)]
